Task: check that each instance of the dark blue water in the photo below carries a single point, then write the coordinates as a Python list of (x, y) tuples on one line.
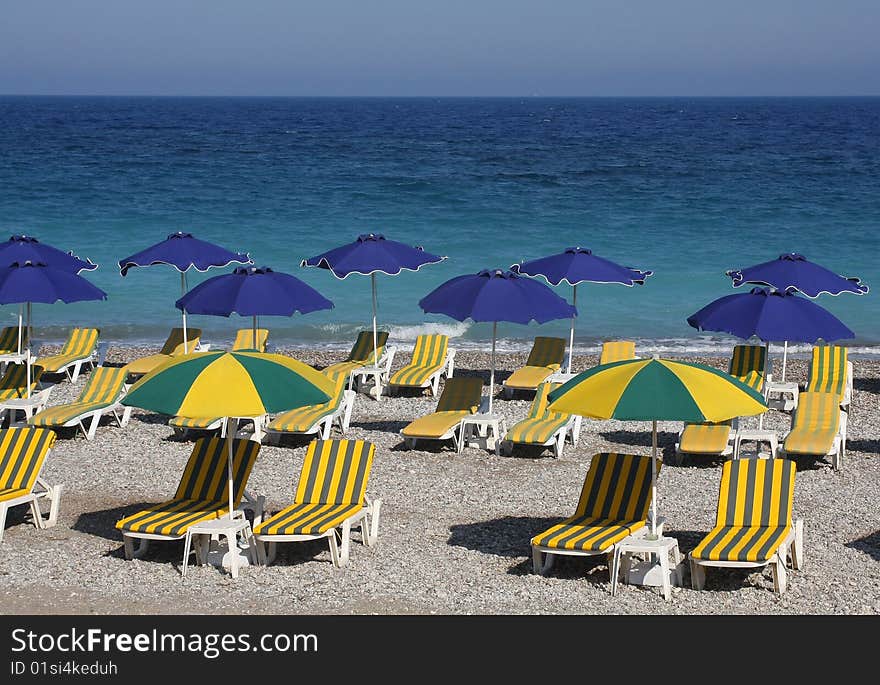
[(686, 187)]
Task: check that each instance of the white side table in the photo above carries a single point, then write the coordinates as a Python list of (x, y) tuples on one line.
[(661, 548), (477, 426), (28, 405), (377, 374), (559, 377), (782, 396), (228, 527), (758, 436)]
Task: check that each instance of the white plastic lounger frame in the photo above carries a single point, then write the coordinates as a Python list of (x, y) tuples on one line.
[(95, 416), (259, 423), (571, 431), (446, 369), (30, 406), (728, 448), (838, 447), (41, 490), (323, 426)]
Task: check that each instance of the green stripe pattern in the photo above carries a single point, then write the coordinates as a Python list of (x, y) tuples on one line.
[(102, 389), (748, 364), (304, 419), (80, 344), (429, 356), (9, 340), (828, 370), (541, 423), (13, 383), (22, 453)]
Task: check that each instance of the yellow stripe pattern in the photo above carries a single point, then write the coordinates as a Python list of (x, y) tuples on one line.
[(196, 424), (828, 370), (303, 419), (331, 488), (815, 423), (748, 364), (22, 453), (705, 438), (429, 356), (613, 504), (460, 397), (80, 345), (617, 351), (244, 339), (9, 339), (202, 493), (544, 358), (754, 511), (361, 354), (174, 343), (101, 390), (13, 383), (541, 423)]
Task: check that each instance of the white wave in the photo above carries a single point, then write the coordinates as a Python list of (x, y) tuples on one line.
[(411, 332)]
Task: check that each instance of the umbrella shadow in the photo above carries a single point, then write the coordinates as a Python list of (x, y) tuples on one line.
[(149, 418), (102, 524), (871, 385), (869, 544), (389, 426), (872, 446), (426, 445)]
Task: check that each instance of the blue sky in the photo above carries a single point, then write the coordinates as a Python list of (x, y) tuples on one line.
[(440, 47)]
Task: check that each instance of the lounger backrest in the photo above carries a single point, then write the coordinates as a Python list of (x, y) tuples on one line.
[(244, 339), (749, 364), (340, 382), (430, 350), (22, 452), (81, 342), (9, 340), (617, 487), (205, 476), (362, 350), (828, 370), (817, 412), (174, 343), (756, 492), (335, 472), (539, 409), (461, 394), (547, 352), (617, 351), (104, 384), (13, 383)]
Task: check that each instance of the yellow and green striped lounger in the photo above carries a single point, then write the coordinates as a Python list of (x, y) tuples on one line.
[(617, 351), (818, 427), (543, 427), (23, 452), (173, 347), (10, 350), (14, 387), (431, 358), (78, 350), (831, 371), (99, 396), (544, 358), (202, 495), (613, 505), (244, 339), (460, 397), (753, 524), (330, 498), (748, 364), (361, 354), (317, 418)]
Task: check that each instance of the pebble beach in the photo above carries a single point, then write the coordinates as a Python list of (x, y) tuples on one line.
[(455, 528)]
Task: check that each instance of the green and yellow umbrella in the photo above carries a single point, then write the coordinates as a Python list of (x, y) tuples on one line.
[(656, 390), (229, 384)]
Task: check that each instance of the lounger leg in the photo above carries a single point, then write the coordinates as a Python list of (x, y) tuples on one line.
[(615, 569), (93, 427), (3, 510), (698, 576), (126, 415), (340, 557), (370, 523), (75, 375), (797, 546), (325, 432), (260, 549), (539, 565), (135, 553), (558, 445), (129, 547), (779, 572)]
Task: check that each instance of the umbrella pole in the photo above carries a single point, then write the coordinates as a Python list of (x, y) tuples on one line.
[(182, 293), (654, 482), (375, 332), (255, 333), (574, 299), (784, 358), (492, 372), (28, 356), (20, 323), (231, 428)]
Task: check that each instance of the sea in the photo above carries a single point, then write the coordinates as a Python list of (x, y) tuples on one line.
[(686, 187)]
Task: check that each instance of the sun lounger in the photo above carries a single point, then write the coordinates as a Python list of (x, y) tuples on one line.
[(818, 428), (202, 495), (545, 357), (460, 397), (318, 418), (830, 371), (23, 452), (543, 427), (80, 348), (101, 395), (330, 499), (14, 391), (753, 524), (173, 347), (617, 351), (244, 340), (361, 354), (432, 358), (10, 349), (613, 506)]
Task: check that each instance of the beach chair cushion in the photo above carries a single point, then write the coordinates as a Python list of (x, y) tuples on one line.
[(244, 339), (80, 344), (617, 351), (9, 340), (361, 354), (195, 424), (544, 358), (13, 383), (528, 377), (202, 492), (748, 363), (815, 424), (705, 438), (101, 390), (331, 488), (541, 424), (613, 504), (22, 453), (429, 357), (460, 397), (303, 419), (173, 346), (828, 370), (434, 425), (754, 511)]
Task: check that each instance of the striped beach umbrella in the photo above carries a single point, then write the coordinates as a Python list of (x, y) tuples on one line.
[(656, 390), (231, 384)]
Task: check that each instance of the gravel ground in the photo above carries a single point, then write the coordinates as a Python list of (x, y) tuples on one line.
[(455, 529)]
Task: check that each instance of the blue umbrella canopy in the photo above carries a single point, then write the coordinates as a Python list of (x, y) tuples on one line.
[(576, 265), (771, 315), (792, 271), (496, 295), (25, 248), (183, 252), (253, 291), (370, 254)]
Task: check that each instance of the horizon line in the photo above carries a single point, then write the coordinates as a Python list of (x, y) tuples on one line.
[(530, 96)]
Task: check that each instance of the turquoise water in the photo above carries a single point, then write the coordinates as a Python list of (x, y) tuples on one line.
[(686, 187)]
